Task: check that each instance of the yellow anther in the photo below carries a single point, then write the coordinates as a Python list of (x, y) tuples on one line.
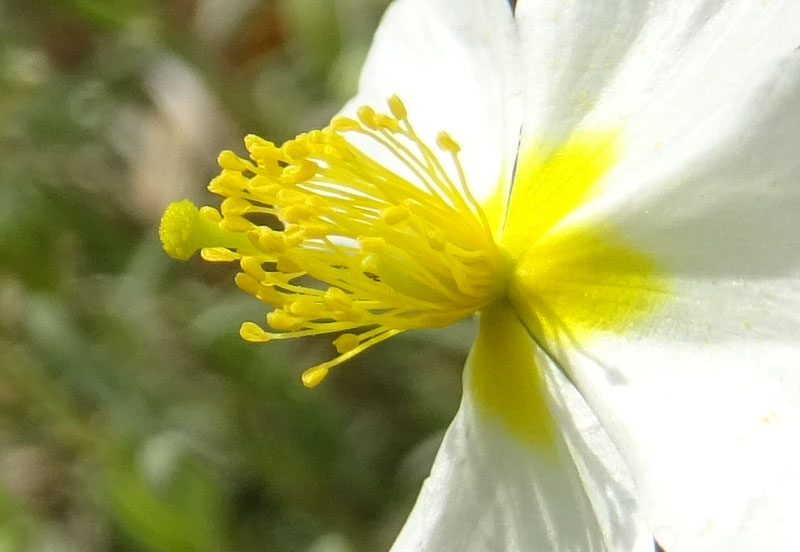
[(253, 332), (336, 299), (253, 143), (287, 196), (330, 152), (287, 266), (388, 123), (368, 117), (228, 183), (247, 283), (219, 255), (235, 206), (314, 376), (446, 143), (344, 124), (305, 307), (311, 230), (295, 233), (346, 343), (393, 215), (316, 203), (301, 171), (370, 244), (397, 107), (268, 168), (252, 266), (232, 162), (346, 316), (293, 239), (295, 213), (283, 321), (270, 241), (294, 149), (268, 294), (236, 224), (268, 160), (265, 186), (278, 279), (210, 214), (266, 153)]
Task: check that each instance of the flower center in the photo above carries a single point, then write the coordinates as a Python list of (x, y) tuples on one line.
[(377, 236)]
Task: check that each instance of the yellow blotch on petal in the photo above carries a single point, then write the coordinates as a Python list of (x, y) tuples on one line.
[(551, 182), (507, 383), (573, 280), (579, 281)]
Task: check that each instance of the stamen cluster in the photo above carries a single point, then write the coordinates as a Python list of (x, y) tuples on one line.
[(364, 241)]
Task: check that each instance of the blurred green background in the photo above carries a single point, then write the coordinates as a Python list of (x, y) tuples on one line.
[(132, 416)]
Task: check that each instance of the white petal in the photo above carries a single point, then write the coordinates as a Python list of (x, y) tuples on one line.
[(490, 489), (702, 397), (572, 52), (732, 208), (708, 428), (454, 65), (605, 476), (663, 71)]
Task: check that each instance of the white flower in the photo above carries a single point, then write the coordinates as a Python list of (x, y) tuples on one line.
[(634, 253), (669, 294)]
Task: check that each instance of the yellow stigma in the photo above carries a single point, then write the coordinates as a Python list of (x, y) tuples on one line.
[(378, 235), (184, 229)]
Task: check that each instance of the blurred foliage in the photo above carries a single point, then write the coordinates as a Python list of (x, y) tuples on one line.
[(132, 417)]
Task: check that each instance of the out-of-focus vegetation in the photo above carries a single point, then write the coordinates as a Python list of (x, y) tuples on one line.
[(132, 416)]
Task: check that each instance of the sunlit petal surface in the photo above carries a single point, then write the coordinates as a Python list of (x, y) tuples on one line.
[(691, 358), (506, 477)]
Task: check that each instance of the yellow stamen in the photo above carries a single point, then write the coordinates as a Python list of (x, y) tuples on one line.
[(393, 241)]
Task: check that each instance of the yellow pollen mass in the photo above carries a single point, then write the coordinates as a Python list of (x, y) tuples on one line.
[(358, 229)]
